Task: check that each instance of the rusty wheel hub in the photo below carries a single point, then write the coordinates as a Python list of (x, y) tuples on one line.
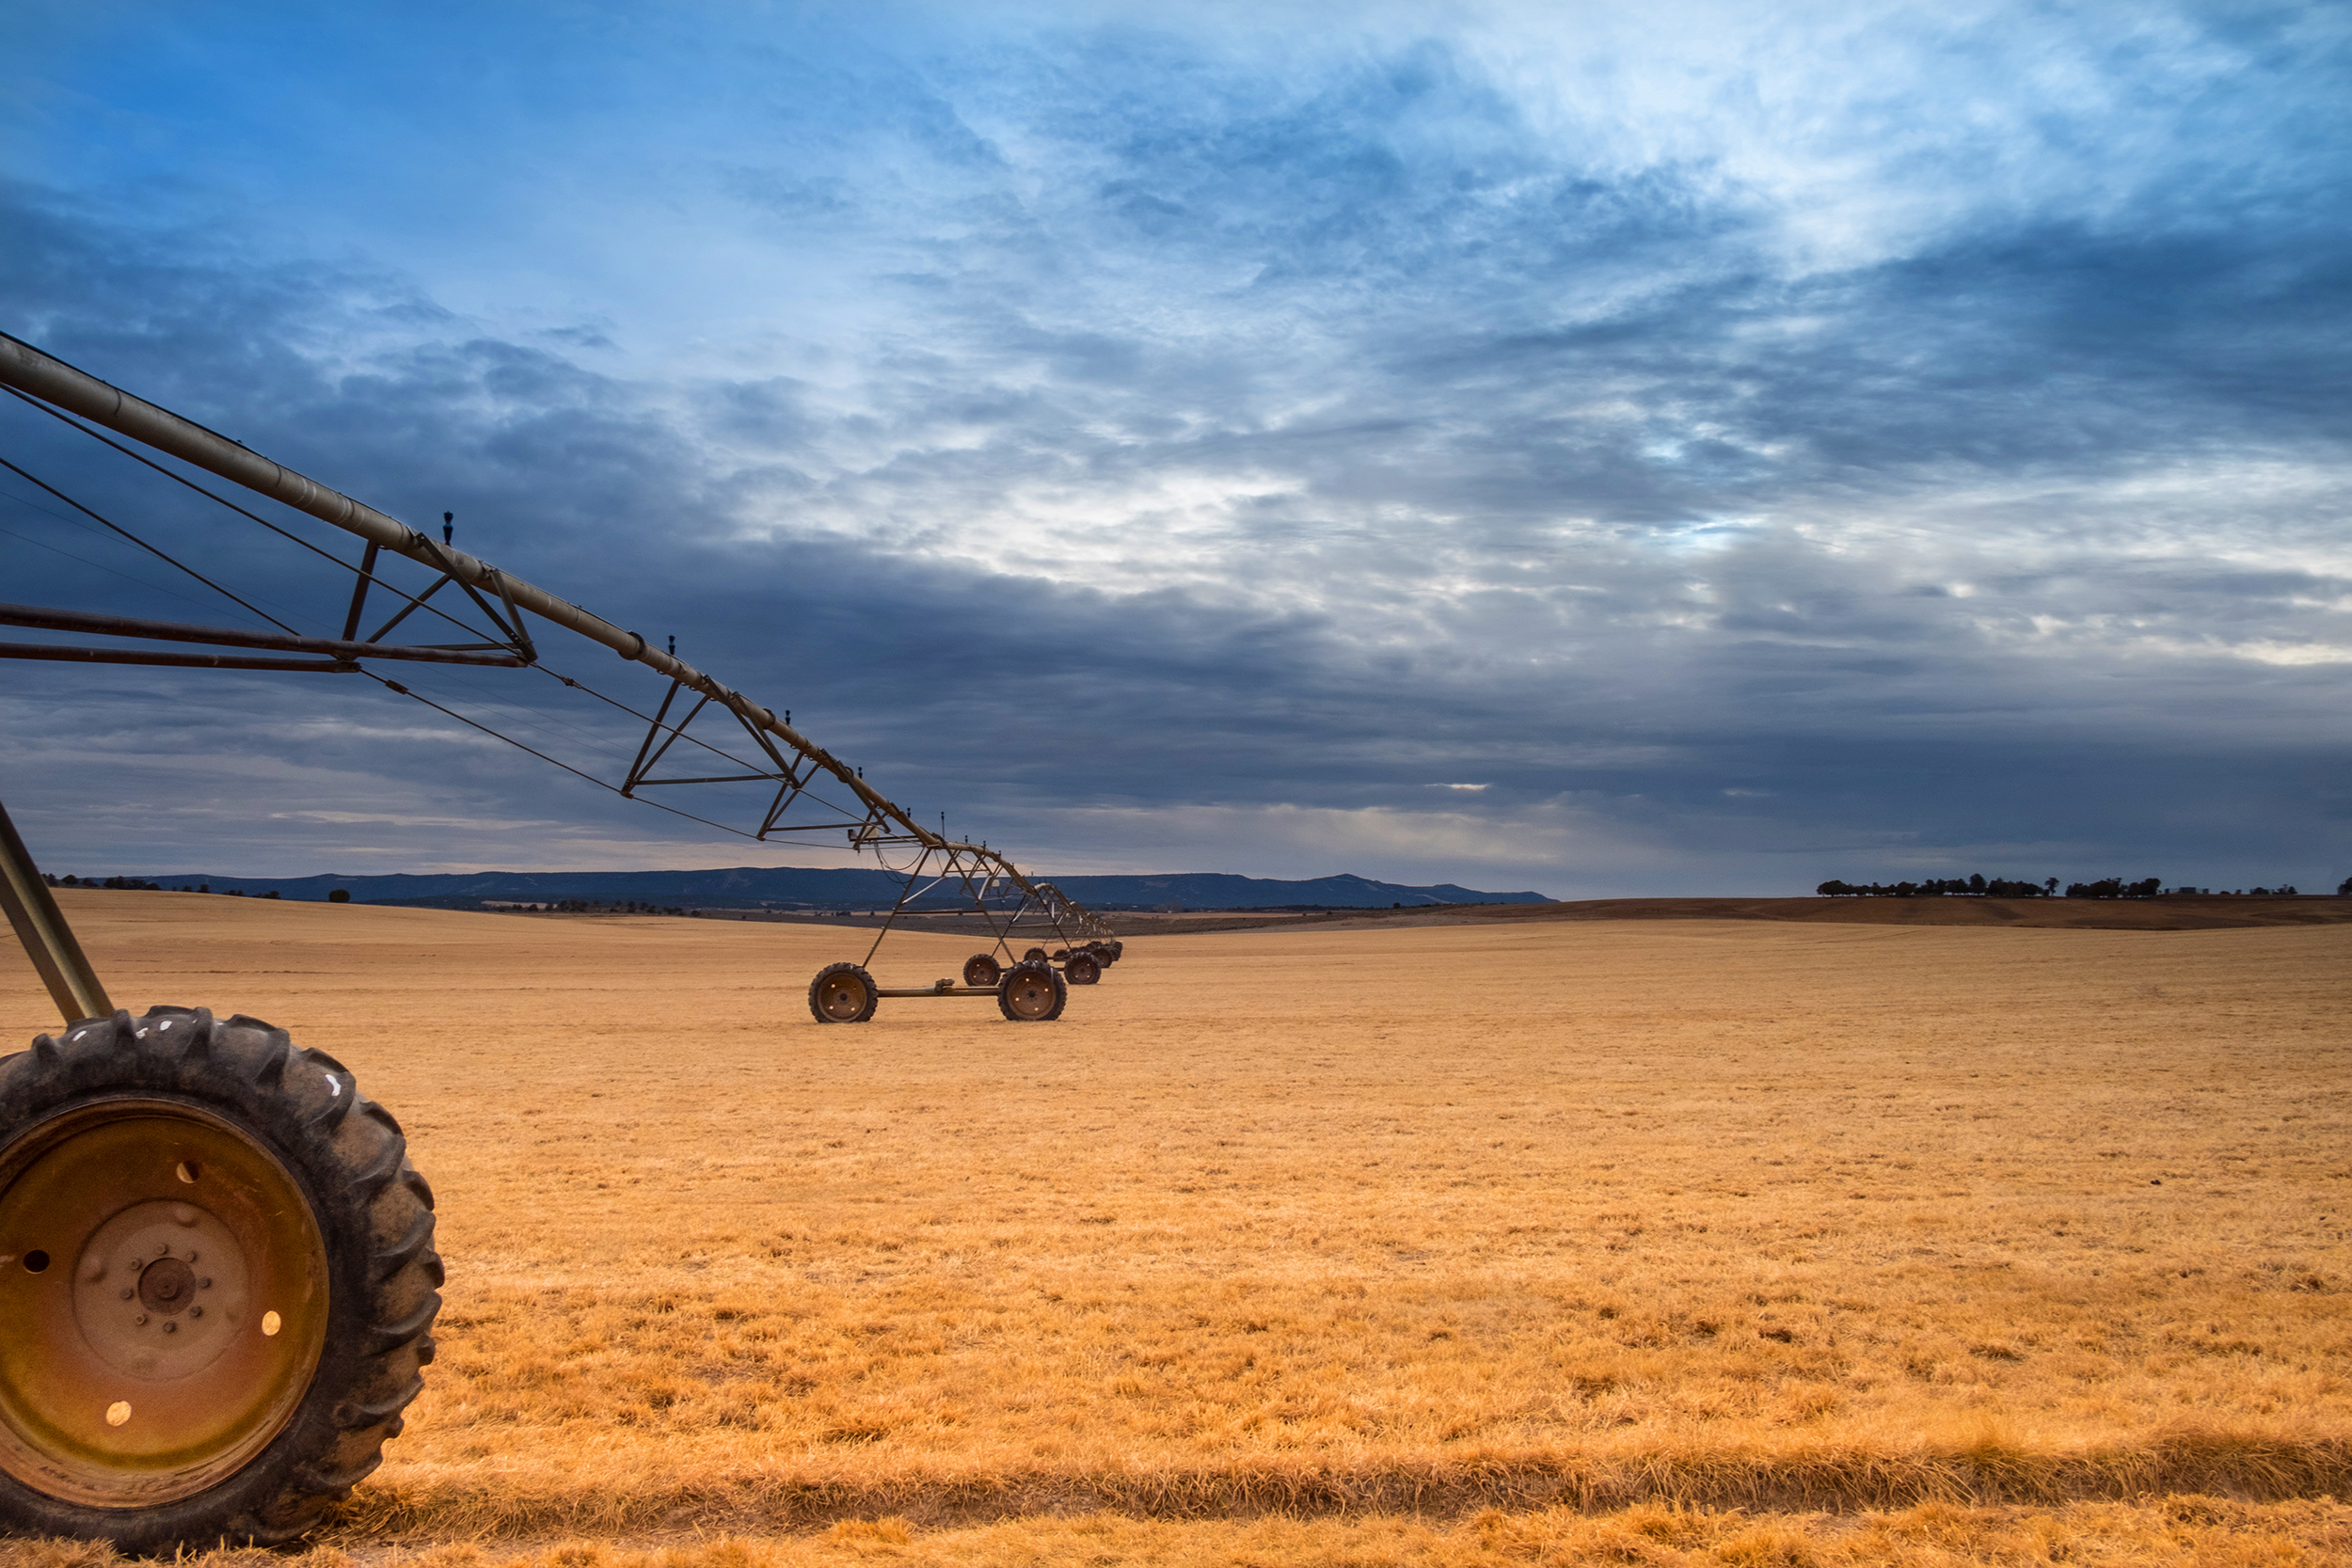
[(842, 998), (165, 1287), (1029, 993), (140, 1300)]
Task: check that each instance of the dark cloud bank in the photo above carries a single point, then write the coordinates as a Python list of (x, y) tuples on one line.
[(1432, 466)]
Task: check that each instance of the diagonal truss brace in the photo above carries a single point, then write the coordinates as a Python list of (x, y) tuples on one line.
[(62, 386), (979, 874), (791, 776), (514, 638)]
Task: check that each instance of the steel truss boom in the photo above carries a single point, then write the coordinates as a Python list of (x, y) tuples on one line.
[(76, 391)]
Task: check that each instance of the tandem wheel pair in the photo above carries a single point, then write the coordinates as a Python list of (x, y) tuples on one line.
[(1032, 991)]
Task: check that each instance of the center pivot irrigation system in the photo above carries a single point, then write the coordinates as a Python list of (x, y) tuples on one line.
[(217, 1279)]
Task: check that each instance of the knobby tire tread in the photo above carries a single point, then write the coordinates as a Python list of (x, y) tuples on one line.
[(1044, 971), (816, 989), (376, 1219)]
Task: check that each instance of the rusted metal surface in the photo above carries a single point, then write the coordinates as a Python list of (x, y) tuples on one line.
[(177, 1312), (1029, 992), (843, 999), (50, 653), (232, 637), (48, 940)]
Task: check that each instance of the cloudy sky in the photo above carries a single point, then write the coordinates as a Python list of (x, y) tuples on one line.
[(1599, 448)]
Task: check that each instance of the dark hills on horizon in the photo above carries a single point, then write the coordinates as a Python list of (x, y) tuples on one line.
[(801, 887)]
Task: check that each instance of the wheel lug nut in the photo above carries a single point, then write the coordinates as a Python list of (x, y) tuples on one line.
[(127, 1292), (205, 1284), (139, 1321), (171, 1327), (163, 1249), (196, 1312)]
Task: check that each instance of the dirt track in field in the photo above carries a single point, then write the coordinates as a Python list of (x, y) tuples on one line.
[(1518, 1214)]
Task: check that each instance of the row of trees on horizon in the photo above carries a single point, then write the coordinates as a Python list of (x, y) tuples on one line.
[(133, 884), (342, 895), (1998, 887)]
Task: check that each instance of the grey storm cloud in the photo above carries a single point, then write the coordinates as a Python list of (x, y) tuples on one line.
[(1188, 457)]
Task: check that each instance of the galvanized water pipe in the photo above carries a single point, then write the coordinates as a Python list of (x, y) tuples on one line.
[(76, 391)]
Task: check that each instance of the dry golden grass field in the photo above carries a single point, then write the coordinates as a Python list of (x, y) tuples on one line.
[(1597, 1241)]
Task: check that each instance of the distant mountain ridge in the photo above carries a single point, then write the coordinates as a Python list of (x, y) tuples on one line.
[(802, 887)]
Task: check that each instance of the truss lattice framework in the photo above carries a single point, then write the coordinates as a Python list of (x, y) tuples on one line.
[(796, 761)]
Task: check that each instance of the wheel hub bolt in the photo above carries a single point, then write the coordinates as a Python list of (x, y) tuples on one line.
[(170, 1327), (205, 1283), (196, 1312), (166, 1286), (139, 1321), (126, 1293)]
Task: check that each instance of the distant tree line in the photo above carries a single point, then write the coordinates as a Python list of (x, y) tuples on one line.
[(133, 884), (2153, 887), (342, 895), (1934, 887), (1996, 887), (2116, 887)]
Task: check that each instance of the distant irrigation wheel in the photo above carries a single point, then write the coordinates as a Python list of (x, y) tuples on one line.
[(218, 1276), (1083, 968), (981, 968), (843, 993), (1032, 994)]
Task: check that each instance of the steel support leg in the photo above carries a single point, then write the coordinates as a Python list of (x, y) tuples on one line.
[(904, 893), (48, 940)]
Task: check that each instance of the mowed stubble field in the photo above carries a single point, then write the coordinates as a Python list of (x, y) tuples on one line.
[(1654, 1241)]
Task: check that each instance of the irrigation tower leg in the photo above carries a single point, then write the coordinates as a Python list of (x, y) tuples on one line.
[(48, 940)]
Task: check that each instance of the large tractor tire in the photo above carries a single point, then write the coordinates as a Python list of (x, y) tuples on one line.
[(1082, 968), (843, 993), (217, 1281), (1033, 992), (982, 970)]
